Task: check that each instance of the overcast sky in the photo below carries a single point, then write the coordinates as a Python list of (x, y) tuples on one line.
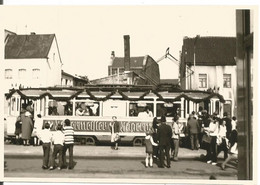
[(87, 34)]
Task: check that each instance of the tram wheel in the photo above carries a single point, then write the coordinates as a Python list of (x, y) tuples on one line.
[(138, 141), (90, 141)]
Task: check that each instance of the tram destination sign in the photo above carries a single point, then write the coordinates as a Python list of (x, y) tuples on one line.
[(103, 126)]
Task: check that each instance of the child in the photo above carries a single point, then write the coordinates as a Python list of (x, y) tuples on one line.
[(18, 130), (46, 138), (58, 140), (149, 143)]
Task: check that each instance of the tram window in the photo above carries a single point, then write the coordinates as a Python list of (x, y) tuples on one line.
[(168, 109), (59, 108), (140, 109), (87, 109)]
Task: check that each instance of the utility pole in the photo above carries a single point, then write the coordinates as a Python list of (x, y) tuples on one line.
[(194, 61)]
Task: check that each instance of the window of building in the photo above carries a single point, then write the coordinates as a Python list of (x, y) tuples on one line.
[(36, 73), (227, 80), (202, 80), (21, 73), (114, 71), (121, 70), (8, 74)]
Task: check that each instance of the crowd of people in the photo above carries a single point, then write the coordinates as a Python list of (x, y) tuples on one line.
[(211, 132)]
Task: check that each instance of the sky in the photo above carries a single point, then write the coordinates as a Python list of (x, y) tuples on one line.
[(86, 35)]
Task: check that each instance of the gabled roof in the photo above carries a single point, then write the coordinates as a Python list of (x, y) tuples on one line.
[(134, 62), (209, 51), (28, 46)]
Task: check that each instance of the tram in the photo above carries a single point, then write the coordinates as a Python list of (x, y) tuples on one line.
[(100, 103)]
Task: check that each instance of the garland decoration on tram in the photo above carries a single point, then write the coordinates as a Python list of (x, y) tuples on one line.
[(92, 97), (75, 95), (124, 96)]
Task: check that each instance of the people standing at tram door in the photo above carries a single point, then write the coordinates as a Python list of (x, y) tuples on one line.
[(164, 138), (30, 108), (27, 127), (193, 129), (149, 143), (68, 143), (115, 128), (175, 137)]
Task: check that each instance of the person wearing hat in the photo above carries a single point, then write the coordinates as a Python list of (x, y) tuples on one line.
[(164, 138), (27, 127)]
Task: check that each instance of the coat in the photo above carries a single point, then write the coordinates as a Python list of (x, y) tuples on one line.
[(27, 127), (193, 126), (164, 134)]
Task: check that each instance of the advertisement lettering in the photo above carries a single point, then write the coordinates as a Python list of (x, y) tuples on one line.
[(103, 126)]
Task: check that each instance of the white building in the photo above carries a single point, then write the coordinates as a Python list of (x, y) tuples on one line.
[(31, 61), (208, 63)]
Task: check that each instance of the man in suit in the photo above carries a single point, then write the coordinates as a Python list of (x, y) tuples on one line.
[(164, 138), (193, 128)]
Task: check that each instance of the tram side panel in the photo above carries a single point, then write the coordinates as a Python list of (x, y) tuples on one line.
[(92, 130)]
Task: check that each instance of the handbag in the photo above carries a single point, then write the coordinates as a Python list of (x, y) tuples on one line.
[(206, 138), (117, 138)]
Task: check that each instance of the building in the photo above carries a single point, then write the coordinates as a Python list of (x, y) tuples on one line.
[(142, 70), (208, 63), (31, 61), (70, 80)]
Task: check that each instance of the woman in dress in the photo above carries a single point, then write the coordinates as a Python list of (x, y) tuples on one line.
[(149, 143), (27, 127), (115, 128)]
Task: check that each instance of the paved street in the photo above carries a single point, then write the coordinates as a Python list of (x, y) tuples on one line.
[(102, 162)]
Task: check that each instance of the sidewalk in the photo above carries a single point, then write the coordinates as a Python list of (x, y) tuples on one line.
[(84, 151)]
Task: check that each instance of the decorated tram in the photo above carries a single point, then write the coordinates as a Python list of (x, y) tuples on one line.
[(91, 108)]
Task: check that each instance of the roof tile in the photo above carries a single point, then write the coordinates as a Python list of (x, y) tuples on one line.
[(210, 51), (28, 46)]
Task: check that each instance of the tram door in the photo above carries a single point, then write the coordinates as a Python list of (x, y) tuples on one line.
[(114, 108)]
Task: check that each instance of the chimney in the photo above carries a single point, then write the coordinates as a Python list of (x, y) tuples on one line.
[(127, 53), (112, 58)]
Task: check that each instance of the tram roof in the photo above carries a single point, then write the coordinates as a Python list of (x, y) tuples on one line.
[(67, 94)]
